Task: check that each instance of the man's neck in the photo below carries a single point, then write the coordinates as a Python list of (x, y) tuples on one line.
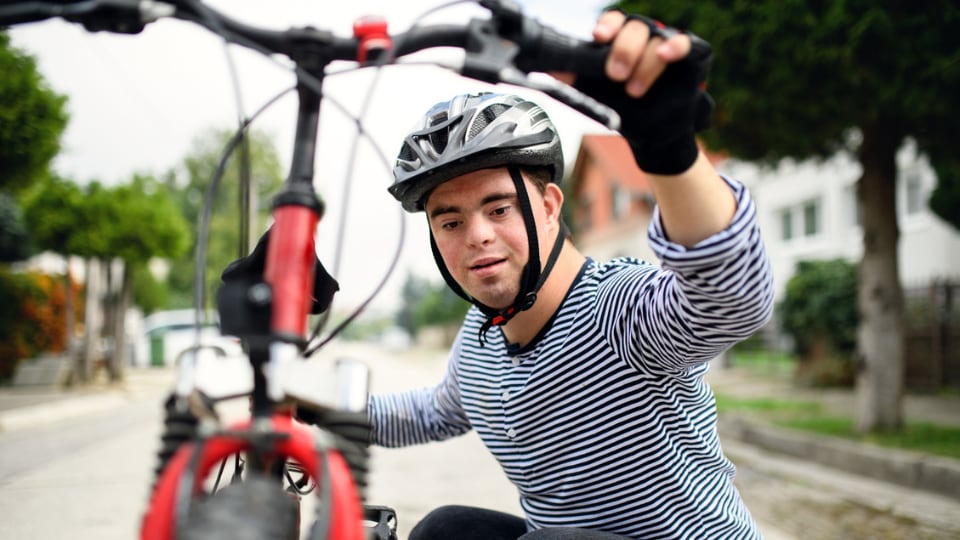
[(527, 324)]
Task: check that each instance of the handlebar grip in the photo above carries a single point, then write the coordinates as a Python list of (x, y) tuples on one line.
[(544, 49)]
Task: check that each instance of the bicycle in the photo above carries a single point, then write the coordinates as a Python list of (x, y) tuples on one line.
[(270, 315)]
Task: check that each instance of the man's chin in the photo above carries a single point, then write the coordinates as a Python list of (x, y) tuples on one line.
[(494, 300)]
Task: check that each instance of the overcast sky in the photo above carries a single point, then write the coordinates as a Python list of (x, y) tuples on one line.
[(137, 102)]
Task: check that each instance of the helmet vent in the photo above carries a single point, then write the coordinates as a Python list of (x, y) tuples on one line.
[(438, 138), (406, 153), (486, 117)]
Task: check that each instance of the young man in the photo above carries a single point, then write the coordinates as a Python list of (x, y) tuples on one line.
[(583, 378)]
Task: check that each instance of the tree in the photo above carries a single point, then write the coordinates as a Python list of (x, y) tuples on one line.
[(51, 210), (427, 304), (32, 118), (141, 221), (129, 224), (808, 79), (190, 183), (945, 199), (14, 239)]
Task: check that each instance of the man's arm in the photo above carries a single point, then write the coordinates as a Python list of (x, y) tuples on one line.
[(695, 203)]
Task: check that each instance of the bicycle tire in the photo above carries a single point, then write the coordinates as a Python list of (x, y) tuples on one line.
[(257, 508)]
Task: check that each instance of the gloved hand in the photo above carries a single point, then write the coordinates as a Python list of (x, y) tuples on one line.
[(251, 267), (661, 125)]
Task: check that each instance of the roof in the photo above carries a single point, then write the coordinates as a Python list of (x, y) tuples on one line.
[(611, 153)]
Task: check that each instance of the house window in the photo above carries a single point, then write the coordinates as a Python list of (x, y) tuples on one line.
[(786, 224), (913, 193), (811, 218)]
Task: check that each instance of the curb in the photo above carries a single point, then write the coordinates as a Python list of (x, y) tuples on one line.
[(909, 469)]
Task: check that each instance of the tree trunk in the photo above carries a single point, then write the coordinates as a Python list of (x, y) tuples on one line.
[(91, 322), (880, 298), (69, 311), (120, 358)]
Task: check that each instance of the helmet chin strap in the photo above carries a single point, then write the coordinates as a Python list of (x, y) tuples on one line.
[(531, 279)]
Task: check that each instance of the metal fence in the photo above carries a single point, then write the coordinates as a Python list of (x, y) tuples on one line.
[(932, 335)]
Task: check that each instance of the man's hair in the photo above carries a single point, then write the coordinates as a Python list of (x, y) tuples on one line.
[(540, 176)]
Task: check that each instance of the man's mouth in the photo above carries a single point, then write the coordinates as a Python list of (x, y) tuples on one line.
[(486, 263)]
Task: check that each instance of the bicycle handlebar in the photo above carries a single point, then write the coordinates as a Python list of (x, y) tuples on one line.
[(504, 48)]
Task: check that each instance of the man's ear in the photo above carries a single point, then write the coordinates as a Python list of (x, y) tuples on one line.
[(552, 201)]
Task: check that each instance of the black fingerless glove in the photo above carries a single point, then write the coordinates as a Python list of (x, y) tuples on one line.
[(251, 267), (661, 126)]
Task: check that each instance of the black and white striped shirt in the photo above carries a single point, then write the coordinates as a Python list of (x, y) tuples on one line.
[(604, 421)]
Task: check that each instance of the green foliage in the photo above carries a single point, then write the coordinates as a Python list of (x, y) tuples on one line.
[(189, 185), (32, 118), (428, 304), (132, 222), (945, 199), (792, 77), (149, 293), (915, 436), (31, 317), (142, 222), (820, 303), (14, 239), (53, 210)]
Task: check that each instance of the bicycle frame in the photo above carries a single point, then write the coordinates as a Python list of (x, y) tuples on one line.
[(271, 435), (271, 315)]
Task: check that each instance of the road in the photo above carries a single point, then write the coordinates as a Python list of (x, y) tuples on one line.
[(87, 478), (84, 478)]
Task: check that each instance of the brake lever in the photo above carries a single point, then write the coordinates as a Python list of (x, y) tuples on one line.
[(490, 59), (565, 94)]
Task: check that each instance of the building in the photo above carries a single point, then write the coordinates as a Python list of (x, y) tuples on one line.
[(806, 210)]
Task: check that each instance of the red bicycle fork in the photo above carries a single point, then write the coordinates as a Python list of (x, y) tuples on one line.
[(289, 440)]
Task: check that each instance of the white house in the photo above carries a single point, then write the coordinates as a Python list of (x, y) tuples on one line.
[(809, 210)]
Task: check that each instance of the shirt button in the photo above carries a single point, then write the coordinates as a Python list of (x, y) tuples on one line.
[(505, 395), (511, 433), (516, 361)]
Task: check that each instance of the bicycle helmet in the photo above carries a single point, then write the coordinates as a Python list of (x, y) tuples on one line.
[(472, 132), (481, 131)]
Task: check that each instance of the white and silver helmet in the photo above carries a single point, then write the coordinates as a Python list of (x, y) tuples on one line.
[(472, 132)]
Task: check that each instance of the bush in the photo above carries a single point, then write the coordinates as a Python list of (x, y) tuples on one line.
[(819, 311), (32, 317)]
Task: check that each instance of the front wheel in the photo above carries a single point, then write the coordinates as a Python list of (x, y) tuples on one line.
[(258, 508)]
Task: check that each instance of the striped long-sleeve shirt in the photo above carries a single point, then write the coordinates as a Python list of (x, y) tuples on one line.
[(604, 420)]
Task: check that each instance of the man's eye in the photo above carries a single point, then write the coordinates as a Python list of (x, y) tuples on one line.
[(501, 210), (449, 225)]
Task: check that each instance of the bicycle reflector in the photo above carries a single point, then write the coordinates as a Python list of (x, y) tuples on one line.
[(371, 30)]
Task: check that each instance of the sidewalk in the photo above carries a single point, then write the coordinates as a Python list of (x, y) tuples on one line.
[(28, 406)]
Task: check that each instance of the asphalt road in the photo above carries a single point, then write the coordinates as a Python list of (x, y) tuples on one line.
[(86, 477)]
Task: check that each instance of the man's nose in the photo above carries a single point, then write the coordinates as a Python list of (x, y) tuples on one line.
[(479, 232)]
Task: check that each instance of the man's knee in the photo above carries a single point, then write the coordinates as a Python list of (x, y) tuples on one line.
[(467, 523), (442, 523), (569, 533)]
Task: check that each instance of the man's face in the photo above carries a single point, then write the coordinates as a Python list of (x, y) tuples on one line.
[(478, 226)]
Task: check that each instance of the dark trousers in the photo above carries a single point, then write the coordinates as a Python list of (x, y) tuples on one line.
[(468, 523)]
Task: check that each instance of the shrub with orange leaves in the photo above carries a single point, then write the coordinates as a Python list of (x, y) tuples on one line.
[(32, 317)]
